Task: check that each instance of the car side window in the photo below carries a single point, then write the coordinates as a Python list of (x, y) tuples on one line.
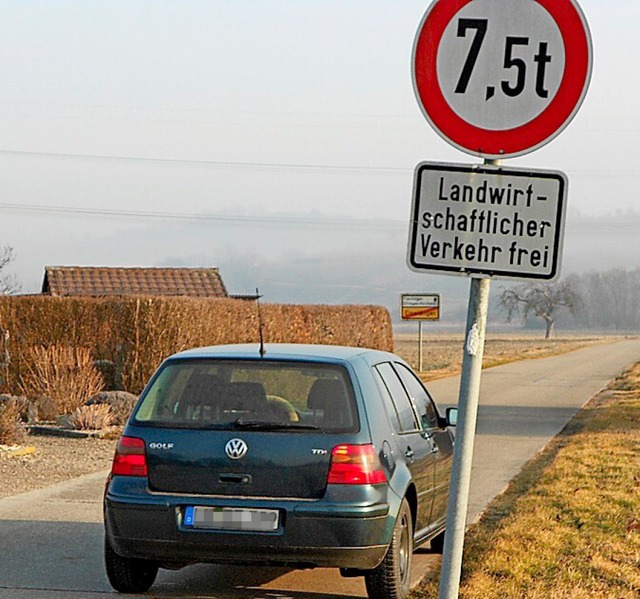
[(402, 404), (419, 396)]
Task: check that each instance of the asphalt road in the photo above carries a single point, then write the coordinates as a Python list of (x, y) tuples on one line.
[(524, 404), (51, 540)]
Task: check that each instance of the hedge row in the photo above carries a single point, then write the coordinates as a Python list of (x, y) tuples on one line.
[(137, 333)]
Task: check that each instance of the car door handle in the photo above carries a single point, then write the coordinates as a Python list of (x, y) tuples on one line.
[(432, 443), (409, 453)]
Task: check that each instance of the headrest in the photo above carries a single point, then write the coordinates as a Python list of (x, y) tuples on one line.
[(325, 392), (246, 395), (201, 387)]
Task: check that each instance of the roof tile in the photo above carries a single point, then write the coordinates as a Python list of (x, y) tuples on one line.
[(100, 281)]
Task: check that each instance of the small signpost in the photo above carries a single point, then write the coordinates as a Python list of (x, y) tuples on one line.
[(420, 307), (495, 80)]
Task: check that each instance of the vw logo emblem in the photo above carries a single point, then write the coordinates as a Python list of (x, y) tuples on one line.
[(236, 449)]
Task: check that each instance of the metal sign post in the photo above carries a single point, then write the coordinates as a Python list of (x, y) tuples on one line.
[(468, 399), (420, 362), (465, 434)]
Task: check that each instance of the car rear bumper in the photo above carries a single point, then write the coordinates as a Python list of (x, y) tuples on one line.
[(324, 533)]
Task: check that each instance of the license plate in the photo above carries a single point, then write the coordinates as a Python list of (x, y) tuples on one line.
[(227, 518)]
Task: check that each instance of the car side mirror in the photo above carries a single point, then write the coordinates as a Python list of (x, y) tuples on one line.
[(452, 416)]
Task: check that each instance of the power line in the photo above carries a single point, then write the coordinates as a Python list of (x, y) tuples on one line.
[(575, 223), (237, 219), (390, 170), (208, 163)]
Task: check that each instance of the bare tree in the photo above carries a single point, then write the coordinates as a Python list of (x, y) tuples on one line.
[(610, 298), (8, 283), (543, 300)]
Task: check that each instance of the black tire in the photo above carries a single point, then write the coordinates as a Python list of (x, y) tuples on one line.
[(128, 575), (391, 579), (437, 543)]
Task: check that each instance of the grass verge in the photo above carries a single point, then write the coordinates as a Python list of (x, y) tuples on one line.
[(568, 526)]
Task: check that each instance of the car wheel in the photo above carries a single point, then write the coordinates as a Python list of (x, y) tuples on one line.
[(128, 575), (437, 543), (390, 580)]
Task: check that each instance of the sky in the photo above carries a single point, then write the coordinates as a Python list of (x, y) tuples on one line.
[(274, 140)]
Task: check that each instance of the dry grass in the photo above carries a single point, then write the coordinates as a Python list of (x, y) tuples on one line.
[(12, 429), (568, 527), (66, 374), (95, 417), (442, 354)]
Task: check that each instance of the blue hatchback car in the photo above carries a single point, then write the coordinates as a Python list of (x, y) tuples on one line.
[(302, 455)]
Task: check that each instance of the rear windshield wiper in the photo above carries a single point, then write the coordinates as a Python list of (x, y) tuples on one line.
[(263, 425)]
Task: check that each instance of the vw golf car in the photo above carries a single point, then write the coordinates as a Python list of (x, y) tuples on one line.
[(305, 456)]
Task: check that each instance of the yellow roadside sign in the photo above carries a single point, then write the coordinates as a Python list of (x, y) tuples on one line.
[(420, 306)]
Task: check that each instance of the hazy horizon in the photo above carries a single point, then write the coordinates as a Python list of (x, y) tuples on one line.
[(276, 141)]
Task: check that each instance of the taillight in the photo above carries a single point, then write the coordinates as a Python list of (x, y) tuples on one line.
[(130, 458), (355, 465)]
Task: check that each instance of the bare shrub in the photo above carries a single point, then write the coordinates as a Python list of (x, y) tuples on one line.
[(24, 407), (110, 374), (91, 418), (120, 402), (66, 374), (44, 408), (31, 410), (12, 429)]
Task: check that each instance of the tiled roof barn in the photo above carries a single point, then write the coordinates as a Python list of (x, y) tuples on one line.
[(64, 281)]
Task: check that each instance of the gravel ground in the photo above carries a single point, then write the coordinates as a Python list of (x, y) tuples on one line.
[(55, 459)]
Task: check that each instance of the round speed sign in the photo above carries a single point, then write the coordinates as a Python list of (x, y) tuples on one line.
[(501, 78)]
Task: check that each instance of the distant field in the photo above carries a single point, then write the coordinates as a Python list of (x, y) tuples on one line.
[(442, 354)]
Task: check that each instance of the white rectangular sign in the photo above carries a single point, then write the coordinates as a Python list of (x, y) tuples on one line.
[(488, 221)]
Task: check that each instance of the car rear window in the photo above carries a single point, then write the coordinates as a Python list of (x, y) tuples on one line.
[(230, 394)]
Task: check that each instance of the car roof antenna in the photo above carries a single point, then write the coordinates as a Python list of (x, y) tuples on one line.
[(260, 325)]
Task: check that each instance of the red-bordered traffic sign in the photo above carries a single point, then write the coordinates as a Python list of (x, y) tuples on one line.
[(500, 79)]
